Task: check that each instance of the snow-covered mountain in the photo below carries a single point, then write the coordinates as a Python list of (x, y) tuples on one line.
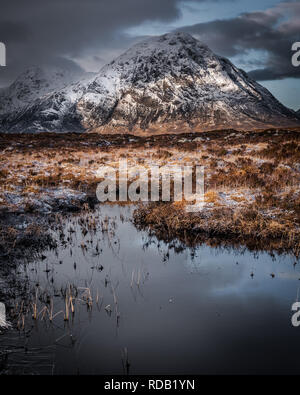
[(170, 83), (35, 83)]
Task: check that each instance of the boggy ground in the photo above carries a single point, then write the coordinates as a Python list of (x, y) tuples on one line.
[(251, 184)]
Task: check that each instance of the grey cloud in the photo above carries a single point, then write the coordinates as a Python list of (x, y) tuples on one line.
[(272, 31), (269, 74), (38, 32)]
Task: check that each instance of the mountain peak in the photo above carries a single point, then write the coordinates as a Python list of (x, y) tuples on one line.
[(171, 54), (178, 44), (173, 38), (170, 83), (178, 39)]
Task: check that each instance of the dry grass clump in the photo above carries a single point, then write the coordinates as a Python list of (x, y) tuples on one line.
[(162, 154), (288, 151), (211, 197), (238, 198), (246, 225)]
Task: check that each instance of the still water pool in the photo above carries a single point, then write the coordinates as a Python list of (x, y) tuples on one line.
[(122, 302)]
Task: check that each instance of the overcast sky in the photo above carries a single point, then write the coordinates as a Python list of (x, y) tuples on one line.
[(256, 35)]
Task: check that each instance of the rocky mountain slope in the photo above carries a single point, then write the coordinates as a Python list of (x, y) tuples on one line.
[(35, 83), (170, 83)]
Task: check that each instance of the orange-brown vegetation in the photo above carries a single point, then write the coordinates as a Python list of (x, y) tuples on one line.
[(251, 179)]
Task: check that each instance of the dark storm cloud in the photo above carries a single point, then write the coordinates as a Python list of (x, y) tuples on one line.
[(39, 32), (42, 32), (272, 31), (13, 32)]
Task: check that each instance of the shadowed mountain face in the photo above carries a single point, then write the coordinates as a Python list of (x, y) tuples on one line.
[(171, 83)]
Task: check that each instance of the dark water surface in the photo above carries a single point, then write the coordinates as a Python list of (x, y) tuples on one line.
[(155, 309)]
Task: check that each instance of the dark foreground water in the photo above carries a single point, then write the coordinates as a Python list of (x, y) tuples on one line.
[(142, 307)]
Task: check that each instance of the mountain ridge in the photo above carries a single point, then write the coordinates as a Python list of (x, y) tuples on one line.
[(170, 83)]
